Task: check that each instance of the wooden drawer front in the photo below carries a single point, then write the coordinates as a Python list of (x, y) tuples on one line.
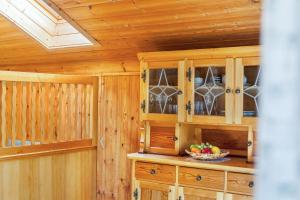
[(155, 172), (238, 197), (240, 183), (211, 179)]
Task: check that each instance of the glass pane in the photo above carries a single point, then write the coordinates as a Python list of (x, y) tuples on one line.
[(209, 91), (251, 91), (163, 91)]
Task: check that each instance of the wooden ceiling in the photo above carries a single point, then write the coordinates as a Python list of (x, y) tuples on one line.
[(125, 27)]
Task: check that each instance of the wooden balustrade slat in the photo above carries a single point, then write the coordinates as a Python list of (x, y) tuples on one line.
[(8, 113), (51, 110), (90, 111), (19, 106), (78, 111), (68, 114), (72, 106), (28, 111), (33, 112), (45, 113), (56, 110), (24, 108), (38, 117), (3, 107), (83, 108), (63, 124), (0, 113), (14, 114), (41, 112), (88, 114)]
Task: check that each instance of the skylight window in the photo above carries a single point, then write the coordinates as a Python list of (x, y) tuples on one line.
[(44, 24)]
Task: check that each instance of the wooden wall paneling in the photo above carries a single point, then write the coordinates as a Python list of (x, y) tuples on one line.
[(118, 135), (90, 67), (59, 177)]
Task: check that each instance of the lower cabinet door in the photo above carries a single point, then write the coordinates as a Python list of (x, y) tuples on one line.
[(154, 191), (238, 197), (186, 193)]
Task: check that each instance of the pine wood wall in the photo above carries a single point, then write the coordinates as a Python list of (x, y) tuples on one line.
[(94, 67), (119, 127), (119, 119), (60, 177)]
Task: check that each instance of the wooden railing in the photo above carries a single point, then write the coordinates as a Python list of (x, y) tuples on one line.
[(43, 109)]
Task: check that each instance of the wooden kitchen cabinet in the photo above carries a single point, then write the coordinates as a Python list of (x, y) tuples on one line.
[(186, 193), (207, 86), (162, 90), (153, 191), (158, 177), (224, 91)]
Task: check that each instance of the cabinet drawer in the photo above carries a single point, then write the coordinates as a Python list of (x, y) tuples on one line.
[(238, 197), (203, 178), (155, 172), (240, 183)]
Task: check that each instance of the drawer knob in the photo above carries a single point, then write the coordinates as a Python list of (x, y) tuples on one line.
[(228, 90), (251, 184), (198, 178), (152, 171)]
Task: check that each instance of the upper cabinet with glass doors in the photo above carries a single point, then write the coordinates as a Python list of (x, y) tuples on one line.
[(207, 86), (162, 87), (247, 90), (209, 90)]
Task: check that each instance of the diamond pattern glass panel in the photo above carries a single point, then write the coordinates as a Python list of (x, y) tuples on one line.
[(252, 91), (163, 91), (209, 95)]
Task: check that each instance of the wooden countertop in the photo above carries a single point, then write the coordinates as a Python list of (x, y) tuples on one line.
[(234, 164)]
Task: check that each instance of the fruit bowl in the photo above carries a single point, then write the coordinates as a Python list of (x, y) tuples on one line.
[(206, 156), (206, 151)]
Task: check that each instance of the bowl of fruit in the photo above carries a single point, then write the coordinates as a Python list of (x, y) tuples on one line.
[(206, 151)]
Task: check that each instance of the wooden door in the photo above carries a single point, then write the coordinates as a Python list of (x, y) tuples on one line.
[(210, 97), (153, 191), (118, 135), (186, 193), (247, 90), (162, 91)]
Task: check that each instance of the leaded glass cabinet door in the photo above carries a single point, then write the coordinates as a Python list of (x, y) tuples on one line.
[(247, 90), (163, 91), (210, 98)]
